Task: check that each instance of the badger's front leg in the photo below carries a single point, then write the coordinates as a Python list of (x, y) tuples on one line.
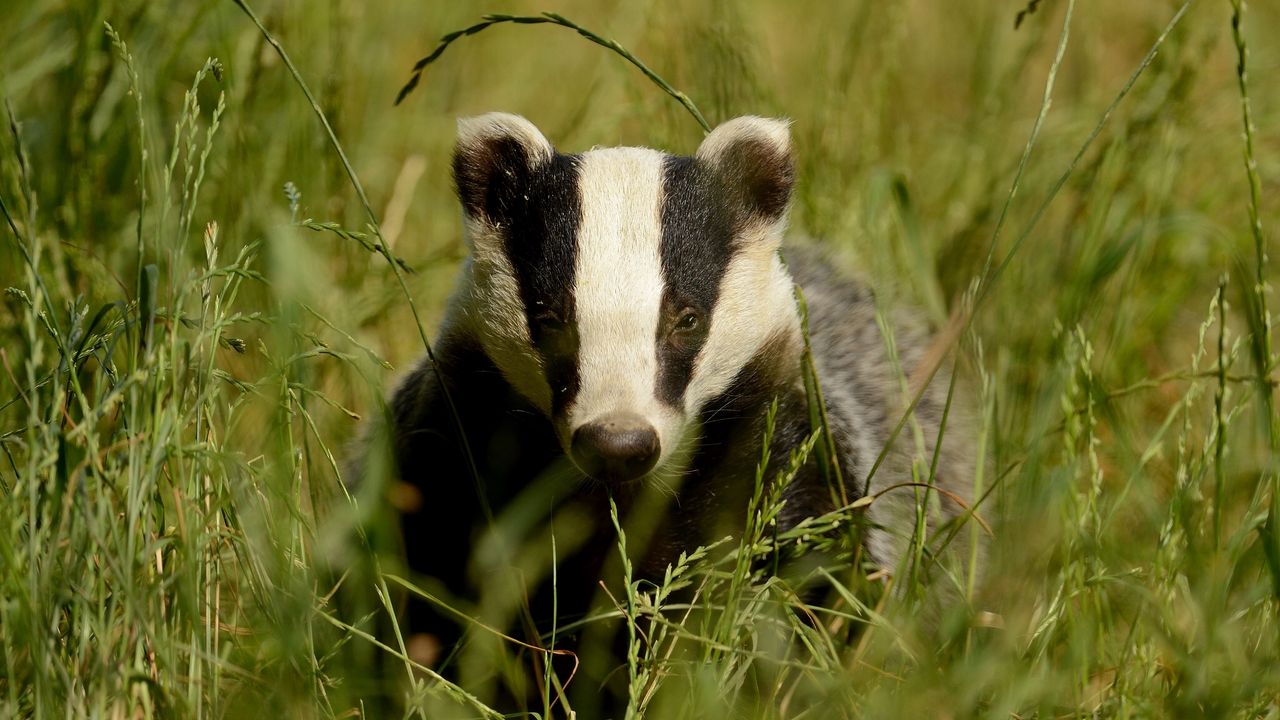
[(463, 444)]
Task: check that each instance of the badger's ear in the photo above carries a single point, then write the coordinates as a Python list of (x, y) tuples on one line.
[(752, 155), (495, 155)]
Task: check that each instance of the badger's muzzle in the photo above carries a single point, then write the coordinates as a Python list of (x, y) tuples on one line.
[(616, 447)]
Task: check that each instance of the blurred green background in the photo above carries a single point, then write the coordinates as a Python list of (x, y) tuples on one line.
[(910, 121)]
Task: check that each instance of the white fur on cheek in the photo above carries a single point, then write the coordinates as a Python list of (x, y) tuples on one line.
[(747, 314), (496, 311), (618, 294)]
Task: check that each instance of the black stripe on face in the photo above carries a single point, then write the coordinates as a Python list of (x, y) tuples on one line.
[(539, 216), (698, 229)]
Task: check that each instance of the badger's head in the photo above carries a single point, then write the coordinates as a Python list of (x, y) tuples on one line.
[(621, 290)]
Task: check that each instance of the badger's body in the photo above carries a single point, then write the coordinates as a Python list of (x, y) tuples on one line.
[(621, 329)]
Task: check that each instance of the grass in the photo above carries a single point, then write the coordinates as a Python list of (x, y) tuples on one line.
[(208, 273)]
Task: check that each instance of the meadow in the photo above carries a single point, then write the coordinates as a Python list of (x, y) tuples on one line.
[(221, 241)]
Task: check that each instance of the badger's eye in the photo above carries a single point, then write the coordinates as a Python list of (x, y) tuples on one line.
[(688, 321), (553, 334), (549, 321)]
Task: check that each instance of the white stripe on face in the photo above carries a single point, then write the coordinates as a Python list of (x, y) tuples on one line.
[(618, 293)]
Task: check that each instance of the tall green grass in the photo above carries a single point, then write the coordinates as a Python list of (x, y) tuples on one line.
[(209, 285)]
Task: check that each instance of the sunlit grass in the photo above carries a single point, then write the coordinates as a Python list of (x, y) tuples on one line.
[(202, 289)]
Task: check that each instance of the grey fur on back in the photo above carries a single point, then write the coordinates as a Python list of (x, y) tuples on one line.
[(867, 393)]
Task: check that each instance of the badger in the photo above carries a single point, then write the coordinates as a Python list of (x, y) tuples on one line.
[(624, 328)]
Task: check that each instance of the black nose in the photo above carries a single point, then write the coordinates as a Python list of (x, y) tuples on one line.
[(616, 447)]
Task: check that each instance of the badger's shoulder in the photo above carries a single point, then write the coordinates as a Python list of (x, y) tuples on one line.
[(868, 348)]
